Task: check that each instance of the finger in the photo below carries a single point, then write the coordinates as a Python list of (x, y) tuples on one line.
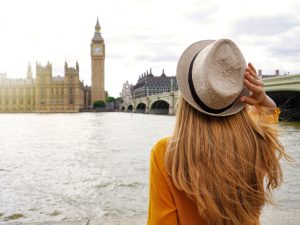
[(252, 87), (251, 72), (252, 67), (248, 100), (253, 80)]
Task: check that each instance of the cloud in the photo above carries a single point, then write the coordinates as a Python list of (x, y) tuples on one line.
[(288, 46), (157, 58), (286, 50), (158, 51), (267, 25), (201, 13), (200, 17)]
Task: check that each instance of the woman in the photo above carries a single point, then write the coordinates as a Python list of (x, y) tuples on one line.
[(211, 170)]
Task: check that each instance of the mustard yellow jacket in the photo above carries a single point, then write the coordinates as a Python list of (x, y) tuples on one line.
[(168, 205)]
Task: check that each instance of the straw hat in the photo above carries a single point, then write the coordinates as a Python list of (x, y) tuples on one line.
[(210, 75)]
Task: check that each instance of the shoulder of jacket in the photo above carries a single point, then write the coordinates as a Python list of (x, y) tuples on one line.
[(159, 150)]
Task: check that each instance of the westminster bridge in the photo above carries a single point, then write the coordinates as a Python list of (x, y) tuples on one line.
[(285, 90)]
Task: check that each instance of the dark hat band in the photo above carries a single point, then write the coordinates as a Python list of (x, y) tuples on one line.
[(196, 97)]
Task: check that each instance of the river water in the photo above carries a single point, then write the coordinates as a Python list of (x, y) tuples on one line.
[(56, 167)]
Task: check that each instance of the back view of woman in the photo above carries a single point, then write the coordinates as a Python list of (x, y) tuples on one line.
[(211, 170)]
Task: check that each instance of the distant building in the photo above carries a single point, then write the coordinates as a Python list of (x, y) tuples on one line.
[(87, 97), (148, 84), (48, 93), (17, 94), (126, 94), (43, 94), (97, 57)]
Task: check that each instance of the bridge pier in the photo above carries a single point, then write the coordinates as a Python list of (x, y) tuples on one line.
[(172, 104), (171, 110)]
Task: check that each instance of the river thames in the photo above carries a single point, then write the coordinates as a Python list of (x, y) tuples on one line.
[(66, 167)]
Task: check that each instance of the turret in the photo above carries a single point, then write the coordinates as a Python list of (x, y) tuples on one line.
[(29, 71), (163, 73), (77, 66), (71, 70), (150, 74), (44, 70)]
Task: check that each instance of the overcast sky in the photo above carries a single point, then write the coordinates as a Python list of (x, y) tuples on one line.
[(143, 34)]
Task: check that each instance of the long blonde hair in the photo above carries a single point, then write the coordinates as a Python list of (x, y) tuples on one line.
[(221, 164)]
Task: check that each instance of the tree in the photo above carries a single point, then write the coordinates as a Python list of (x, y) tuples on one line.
[(106, 95), (109, 98), (99, 104)]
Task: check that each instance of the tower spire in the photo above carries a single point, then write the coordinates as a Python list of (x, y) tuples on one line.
[(29, 71), (97, 27)]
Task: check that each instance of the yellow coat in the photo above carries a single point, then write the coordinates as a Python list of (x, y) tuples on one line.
[(168, 205)]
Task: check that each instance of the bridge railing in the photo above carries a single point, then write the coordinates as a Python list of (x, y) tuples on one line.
[(289, 78)]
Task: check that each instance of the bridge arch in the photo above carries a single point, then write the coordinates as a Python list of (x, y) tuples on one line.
[(123, 108), (159, 107), (141, 107), (289, 103), (130, 108)]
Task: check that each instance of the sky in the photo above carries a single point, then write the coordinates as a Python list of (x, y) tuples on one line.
[(144, 34)]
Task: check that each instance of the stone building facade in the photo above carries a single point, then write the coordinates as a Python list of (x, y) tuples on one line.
[(17, 95), (43, 94), (148, 84), (126, 94), (97, 58)]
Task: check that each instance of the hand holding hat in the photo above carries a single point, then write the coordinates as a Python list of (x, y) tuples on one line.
[(255, 85)]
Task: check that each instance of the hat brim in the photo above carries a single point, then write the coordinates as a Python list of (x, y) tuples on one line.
[(182, 80)]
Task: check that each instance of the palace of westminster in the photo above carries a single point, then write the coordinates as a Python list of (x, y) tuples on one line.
[(47, 93)]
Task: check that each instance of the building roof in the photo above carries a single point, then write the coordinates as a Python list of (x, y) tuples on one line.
[(150, 79)]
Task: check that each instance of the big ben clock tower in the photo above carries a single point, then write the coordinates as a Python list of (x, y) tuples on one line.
[(97, 58)]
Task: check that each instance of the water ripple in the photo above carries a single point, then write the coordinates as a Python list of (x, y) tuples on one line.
[(56, 167)]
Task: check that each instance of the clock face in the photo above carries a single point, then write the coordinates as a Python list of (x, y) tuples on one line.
[(97, 51)]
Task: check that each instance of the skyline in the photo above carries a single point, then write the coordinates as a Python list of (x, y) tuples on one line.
[(140, 35)]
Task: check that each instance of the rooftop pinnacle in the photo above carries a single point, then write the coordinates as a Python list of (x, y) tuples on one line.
[(97, 27)]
